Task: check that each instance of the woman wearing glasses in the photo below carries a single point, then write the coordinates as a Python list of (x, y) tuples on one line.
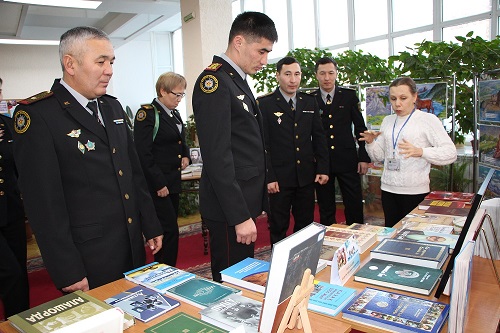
[(160, 140)]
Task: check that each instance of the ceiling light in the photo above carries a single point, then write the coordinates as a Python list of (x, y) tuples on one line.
[(86, 4), (29, 42)]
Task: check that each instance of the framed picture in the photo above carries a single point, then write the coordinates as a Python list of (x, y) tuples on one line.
[(195, 155), (489, 145), (489, 100)]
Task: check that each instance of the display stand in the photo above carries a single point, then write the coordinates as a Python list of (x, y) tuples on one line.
[(497, 246), (296, 312)]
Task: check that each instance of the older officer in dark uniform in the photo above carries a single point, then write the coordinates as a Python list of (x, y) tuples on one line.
[(14, 288), (229, 127), (341, 113), (83, 187), (160, 139), (297, 156)]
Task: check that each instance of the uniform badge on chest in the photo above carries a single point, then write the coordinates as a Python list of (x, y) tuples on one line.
[(278, 114)]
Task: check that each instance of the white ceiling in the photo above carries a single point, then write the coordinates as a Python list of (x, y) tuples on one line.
[(122, 20)]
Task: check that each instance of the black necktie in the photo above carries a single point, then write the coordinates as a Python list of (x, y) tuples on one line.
[(92, 105), (328, 99), (290, 102)]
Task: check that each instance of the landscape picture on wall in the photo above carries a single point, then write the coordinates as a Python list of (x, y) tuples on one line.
[(493, 189), (432, 98), (489, 145), (489, 100)]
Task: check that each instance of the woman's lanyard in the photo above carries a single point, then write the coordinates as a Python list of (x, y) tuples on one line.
[(394, 142)]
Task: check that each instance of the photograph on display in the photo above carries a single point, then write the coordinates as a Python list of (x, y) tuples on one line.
[(493, 190), (489, 100), (431, 99), (489, 145)]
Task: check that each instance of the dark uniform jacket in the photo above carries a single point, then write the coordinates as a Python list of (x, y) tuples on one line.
[(339, 118), (84, 191), (11, 207), (233, 187), (161, 158), (295, 140)]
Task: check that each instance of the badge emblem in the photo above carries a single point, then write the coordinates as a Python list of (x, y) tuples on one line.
[(141, 115), (90, 145), (278, 114), (75, 133), (209, 84), (81, 147), (22, 121), (245, 106), (241, 97), (118, 121)]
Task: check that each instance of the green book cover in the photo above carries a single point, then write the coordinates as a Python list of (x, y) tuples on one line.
[(201, 292), (399, 276), (60, 313), (181, 323)]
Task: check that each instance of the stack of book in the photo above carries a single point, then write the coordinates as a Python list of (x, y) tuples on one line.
[(159, 277), (335, 236), (427, 237), (382, 232), (250, 273)]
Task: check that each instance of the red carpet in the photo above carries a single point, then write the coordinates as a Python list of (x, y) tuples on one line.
[(190, 254)]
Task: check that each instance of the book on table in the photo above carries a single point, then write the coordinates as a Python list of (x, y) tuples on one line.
[(143, 303), (201, 292), (346, 261), (329, 298), (423, 226), (62, 312), (234, 311), (382, 232), (427, 203), (428, 237), (181, 323), (289, 259), (460, 289), (453, 196), (335, 236), (447, 211), (401, 276), (158, 276), (109, 321), (396, 312), (422, 218), (250, 273), (413, 253)]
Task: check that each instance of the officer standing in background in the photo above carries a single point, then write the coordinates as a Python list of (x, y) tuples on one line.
[(233, 190), (297, 156), (341, 114), (83, 187), (14, 287)]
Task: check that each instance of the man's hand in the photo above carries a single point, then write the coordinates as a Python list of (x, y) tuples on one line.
[(155, 243), (246, 232), (408, 150), (362, 168), (321, 179), (273, 187), (163, 192), (184, 162), (82, 285)]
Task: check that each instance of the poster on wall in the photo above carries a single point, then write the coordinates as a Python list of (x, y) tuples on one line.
[(489, 145), (489, 100), (431, 99), (493, 190)]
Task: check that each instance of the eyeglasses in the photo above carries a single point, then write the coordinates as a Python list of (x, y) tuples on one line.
[(178, 95)]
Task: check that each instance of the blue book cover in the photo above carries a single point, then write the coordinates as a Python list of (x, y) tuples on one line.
[(158, 276), (396, 312), (249, 273), (143, 303), (329, 298), (413, 253)]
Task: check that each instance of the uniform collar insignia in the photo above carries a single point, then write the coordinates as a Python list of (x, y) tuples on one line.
[(75, 133)]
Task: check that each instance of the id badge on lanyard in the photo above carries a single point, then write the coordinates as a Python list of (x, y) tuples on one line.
[(394, 164)]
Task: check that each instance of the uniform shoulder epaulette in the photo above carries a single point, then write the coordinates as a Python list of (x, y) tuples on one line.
[(36, 98), (214, 67), (265, 95), (147, 106), (347, 88)]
